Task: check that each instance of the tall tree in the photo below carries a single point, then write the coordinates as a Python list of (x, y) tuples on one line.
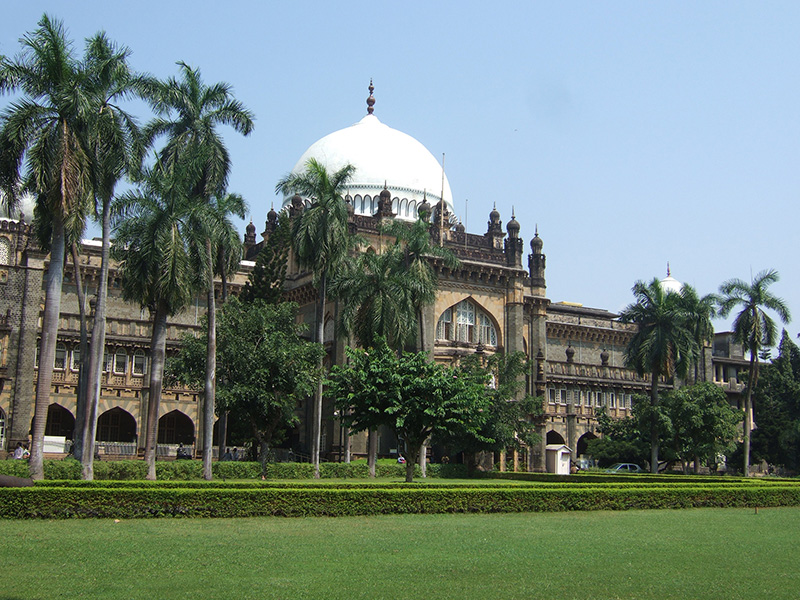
[(321, 240), (410, 394), (418, 251), (663, 345), (156, 268), (45, 129), (189, 113), (754, 328), (269, 273), (112, 140), (699, 312), (265, 366)]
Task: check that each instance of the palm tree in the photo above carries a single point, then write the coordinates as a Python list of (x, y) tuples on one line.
[(44, 130), (699, 311), (212, 232), (663, 345), (189, 112), (753, 328), (377, 299), (113, 138), (156, 268), (417, 254), (321, 240)]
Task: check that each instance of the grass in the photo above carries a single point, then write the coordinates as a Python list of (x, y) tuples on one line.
[(688, 554)]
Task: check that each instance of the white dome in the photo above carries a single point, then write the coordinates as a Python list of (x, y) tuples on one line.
[(670, 284), (381, 155)]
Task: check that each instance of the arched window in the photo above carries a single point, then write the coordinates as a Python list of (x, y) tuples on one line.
[(469, 324), (139, 363), (75, 362), (120, 361), (444, 329), (60, 362)]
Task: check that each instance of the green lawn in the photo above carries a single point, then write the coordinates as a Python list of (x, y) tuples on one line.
[(687, 554)]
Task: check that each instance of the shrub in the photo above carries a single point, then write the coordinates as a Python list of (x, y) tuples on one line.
[(53, 502)]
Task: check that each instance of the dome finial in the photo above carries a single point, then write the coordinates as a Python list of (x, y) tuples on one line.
[(371, 99), (668, 273)]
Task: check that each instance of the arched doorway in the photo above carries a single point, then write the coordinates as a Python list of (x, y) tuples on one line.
[(583, 441), (116, 425), (60, 422), (175, 428), (553, 437)]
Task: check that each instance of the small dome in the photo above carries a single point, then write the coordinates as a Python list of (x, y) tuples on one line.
[(494, 216), (460, 227), (536, 244), (272, 216), (250, 229), (670, 284), (512, 227)]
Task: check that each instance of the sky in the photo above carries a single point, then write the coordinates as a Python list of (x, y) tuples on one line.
[(632, 134)]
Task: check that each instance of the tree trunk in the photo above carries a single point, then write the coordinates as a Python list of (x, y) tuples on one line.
[(423, 463), (158, 343), (316, 435), (222, 434), (95, 371), (346, 442), (81, 395), (47, 354), (653, 423), (211, 370), (748, 412), (412, 456), (372, 450)]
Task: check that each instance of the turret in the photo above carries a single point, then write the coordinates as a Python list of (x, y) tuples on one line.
[(536, 265)]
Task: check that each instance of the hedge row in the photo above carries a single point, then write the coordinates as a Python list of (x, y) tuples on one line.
[(642, 477), (55, 503), (183, 470)]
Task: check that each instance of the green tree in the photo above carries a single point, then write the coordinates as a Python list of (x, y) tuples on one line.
[(699, 313), (755, 329), (267, 277), (377, 302), (418, 253), (321, 240), (663, 345), (156, 269), (265, 366), (188, 114), (776, 405), (510, 419), (414, 397), (44, 129), (702, 424), (112, 140)]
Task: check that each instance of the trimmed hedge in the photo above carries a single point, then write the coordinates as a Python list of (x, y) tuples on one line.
[(51, 502), (185, 470)]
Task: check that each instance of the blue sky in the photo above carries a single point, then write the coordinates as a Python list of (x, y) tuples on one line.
[(632, 133)]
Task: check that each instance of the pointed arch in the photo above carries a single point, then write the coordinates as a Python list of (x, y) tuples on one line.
[(469, 323), (60, 421), (116, 425), (175, 428)]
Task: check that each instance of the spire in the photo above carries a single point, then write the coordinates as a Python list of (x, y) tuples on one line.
[(668, 273), (371, 99)]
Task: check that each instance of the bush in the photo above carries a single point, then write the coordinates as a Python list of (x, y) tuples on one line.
[(52, 502)]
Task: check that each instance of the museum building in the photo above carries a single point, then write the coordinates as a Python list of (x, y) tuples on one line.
[(496, 299)]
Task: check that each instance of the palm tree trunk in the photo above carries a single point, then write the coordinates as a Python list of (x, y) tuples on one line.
[(653, 423), (372, 451), (316, 435), (95, 370), (211, 371), (748, 413), (47, 355), (83, 369), (222, 429), (158, 344)]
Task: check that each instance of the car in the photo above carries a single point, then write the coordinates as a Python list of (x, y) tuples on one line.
[(625, 468)]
